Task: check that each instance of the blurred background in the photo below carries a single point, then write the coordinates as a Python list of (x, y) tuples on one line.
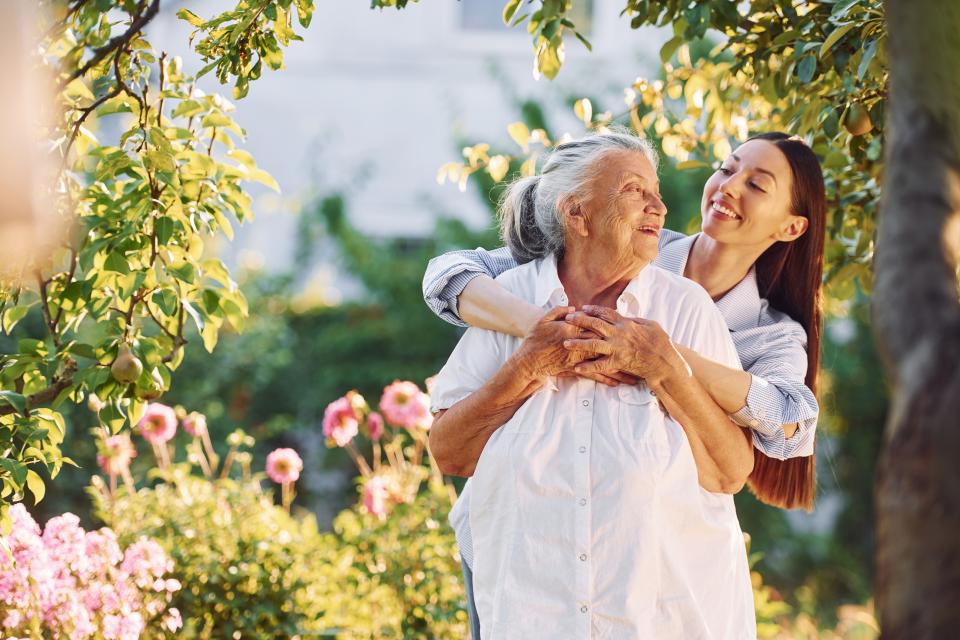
[(370, 106)]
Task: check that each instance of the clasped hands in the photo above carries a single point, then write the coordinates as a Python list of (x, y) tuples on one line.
[(598, 343)]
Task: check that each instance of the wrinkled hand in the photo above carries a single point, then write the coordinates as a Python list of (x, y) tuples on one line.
[(630, 345), (542, 353)]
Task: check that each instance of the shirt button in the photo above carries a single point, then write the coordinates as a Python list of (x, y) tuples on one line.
[(583, 557), (584, 609), (585, 403), (583, 502), (582, 449), (653, 393)]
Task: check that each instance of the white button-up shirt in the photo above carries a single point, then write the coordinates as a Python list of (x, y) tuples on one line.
[(586, 513)]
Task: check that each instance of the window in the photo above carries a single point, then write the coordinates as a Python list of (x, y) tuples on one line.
[(487, 15)]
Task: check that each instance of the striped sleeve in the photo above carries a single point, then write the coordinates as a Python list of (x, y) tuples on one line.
[(778, 394), (446, 277)]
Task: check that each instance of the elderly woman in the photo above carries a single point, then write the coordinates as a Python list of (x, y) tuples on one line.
[(597, 511)]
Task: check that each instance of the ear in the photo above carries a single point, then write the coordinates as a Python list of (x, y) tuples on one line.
[(793, 228), (573, 215)]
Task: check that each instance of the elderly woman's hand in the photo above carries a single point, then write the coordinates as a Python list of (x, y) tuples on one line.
[(542, 353), (630, 345)]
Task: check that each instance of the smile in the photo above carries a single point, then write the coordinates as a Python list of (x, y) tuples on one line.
[(649, 229), (725, 212)]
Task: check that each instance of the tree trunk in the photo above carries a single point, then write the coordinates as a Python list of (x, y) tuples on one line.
[(917, 322)]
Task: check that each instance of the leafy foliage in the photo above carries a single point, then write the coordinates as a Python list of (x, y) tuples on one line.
[(817, 70), (117, 297)]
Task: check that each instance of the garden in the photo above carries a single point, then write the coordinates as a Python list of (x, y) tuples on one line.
[(189, 448)]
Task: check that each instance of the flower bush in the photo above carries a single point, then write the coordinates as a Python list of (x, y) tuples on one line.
[(74, 584), (253, 568)]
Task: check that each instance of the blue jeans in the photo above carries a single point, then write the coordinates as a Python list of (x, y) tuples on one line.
[(471, 605)]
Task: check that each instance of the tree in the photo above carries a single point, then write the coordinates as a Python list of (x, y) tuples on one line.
[(917, 321), (115, 300)]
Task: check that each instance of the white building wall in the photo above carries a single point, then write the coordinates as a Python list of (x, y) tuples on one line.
[(370, 101)]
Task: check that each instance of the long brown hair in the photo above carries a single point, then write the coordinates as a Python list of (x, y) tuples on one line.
[(789, 276)]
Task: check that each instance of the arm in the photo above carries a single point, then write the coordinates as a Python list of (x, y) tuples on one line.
[(485, 304), (722, 451), (727, 386), (459, 434), (447, 275)]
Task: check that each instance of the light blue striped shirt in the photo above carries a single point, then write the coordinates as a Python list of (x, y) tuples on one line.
[(771, 345)]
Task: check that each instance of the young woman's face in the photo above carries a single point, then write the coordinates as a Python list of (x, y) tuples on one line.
[(748, 200)]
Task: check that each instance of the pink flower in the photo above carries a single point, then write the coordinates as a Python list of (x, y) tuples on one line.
[(284, 465), (172, 621), (340, 422), (115, 455), (375, 495), (375, 426), (158, 424), (404, 405), (195, 424)]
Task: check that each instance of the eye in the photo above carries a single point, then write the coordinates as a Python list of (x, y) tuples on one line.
[(757, 186), (725, 171)]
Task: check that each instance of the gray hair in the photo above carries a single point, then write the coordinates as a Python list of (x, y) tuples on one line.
[(530, 223)]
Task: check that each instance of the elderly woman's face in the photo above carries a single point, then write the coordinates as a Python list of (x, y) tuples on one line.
[(623, 210)]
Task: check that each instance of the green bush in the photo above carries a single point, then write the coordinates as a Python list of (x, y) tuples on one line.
[(246, 565)]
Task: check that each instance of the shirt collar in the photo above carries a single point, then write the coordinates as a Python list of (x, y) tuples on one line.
[(549, 289), (741, 306), (550, 293), (673, 255)]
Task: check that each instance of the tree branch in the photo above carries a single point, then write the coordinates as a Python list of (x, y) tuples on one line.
[(139, 22), (58, 384)]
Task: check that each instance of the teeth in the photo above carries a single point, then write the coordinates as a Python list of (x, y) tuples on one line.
[(722, 209)]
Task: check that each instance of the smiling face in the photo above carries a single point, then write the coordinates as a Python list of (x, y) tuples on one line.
[(621, 213), (748, 201)]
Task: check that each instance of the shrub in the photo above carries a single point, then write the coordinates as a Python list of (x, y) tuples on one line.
[(71, 583)]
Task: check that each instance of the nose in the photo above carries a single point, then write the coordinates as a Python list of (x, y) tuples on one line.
[(730, 187), (655, 205)]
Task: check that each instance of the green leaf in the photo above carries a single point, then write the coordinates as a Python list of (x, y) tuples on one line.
[(13, 315), (163, 226), (36, 486), (211, 301), (806, 69), (16, 469), (834, 37), (116, 262), (191, 17), (160, 160), (113, 417), (510, 10), (669, 48), (193, 313), (869, 51), (183, 272), (188, 108), (14, 399)]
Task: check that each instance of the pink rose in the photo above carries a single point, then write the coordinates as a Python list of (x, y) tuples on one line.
[(115, 455), (340, 422), (375, 426), (284, 465), (195, 424), (404, 405), (375, 496), (158, 424)]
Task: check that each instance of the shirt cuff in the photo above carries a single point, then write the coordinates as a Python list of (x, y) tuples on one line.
[(445, 287), (765, 415)]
